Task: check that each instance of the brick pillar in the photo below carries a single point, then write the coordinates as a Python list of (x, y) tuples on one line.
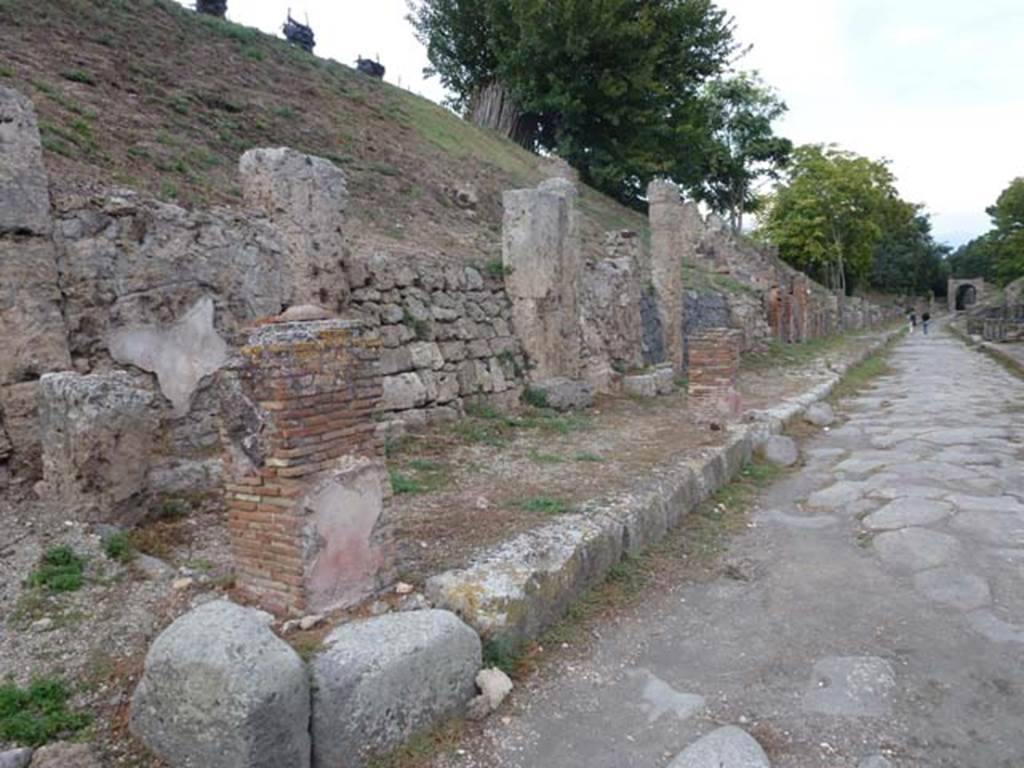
[(773, 309), (676, 228), (305, 482), (801, 319), (714, 373), (541, 254)]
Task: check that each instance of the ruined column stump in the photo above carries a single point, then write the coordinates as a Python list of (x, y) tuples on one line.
[(676, 228), (305, 483), (714, 374), (541, 255)]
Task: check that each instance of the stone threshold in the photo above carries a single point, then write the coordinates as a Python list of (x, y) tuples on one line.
[(516, 590)]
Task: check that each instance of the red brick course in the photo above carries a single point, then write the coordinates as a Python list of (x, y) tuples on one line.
[(714, 371), (313, 387)]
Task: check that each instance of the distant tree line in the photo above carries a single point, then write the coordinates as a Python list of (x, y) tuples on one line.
[(631, 90), (838, 216), (998, 255)]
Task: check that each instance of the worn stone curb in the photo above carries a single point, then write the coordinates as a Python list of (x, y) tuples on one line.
[(988, 348), (514, 591), (995, 351)]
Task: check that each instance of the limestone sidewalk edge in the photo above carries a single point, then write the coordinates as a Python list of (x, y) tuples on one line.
[(987, 347), (514, 591)]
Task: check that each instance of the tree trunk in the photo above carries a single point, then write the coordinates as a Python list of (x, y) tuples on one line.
[(212, 7), (494, 108)]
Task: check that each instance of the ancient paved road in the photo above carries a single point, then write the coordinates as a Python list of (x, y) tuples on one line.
[(885, 614)]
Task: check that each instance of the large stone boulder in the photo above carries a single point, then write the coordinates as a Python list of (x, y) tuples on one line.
[(15, 758), (728, 747), (97, 435), (220, 690), (379, 681), (64, 754), (780, 450), (565, 394), (819, 414)]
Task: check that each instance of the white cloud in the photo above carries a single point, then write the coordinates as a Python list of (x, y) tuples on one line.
[(929, 84)]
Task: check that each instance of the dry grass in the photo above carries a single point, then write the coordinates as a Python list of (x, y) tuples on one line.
[(147, 94)]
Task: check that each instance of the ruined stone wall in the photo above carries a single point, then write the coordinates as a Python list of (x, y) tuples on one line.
[(445, 330), (610, 307), (32, 339)]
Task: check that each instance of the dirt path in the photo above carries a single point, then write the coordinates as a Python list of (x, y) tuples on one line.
[(879, 614)]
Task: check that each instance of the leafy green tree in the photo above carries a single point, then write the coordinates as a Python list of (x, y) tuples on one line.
[(1008, 222), (830, 213), (907, 260), (998, 255), (976, 258), (611, 86), (743, 147)]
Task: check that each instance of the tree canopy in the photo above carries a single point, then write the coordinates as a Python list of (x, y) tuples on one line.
[(611, 86), (998, 255), (743, 147), (837, 216)]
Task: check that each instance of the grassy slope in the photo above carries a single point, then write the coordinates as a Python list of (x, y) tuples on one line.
[(146, 94)]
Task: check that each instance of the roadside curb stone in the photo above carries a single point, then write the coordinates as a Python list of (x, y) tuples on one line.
[(780, 450), (520, 587)]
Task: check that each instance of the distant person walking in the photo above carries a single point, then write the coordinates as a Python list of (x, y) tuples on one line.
[(925, 319), (913, 320)]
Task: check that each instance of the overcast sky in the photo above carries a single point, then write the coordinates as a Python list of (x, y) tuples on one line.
[(932, 85)]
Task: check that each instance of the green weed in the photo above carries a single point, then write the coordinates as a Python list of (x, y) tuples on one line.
[(404, 484), (79, 76), (495, 268), (180, 104), (37, 714), (503, 653), (538, 398), (119, 547), (482, 411), (545, 505), (60, 570), (587, 456)]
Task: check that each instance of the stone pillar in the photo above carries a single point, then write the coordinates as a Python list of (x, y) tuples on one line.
[(305, 484), (714, 373), (33, 340), (97, 434), (305, 198), (541, 255), (676, 229)]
